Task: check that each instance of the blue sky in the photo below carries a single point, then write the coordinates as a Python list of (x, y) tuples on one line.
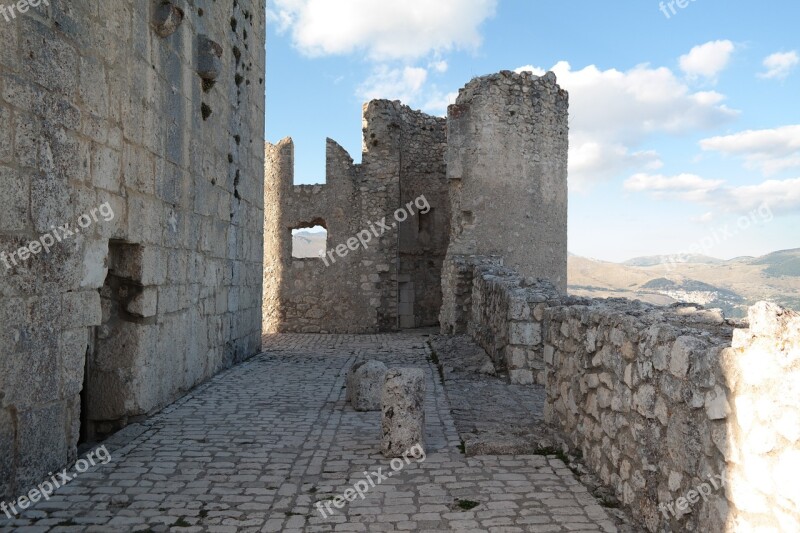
[(685, 129)]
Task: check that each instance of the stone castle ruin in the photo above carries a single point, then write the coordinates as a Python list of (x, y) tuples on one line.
[(394, 282), (153, 112), (494, 175)]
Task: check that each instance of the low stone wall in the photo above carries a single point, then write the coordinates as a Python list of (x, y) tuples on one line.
[(501, 310), (457, 275), (690, 421), (506, 320)]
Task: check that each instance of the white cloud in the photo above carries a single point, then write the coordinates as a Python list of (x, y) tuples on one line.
[(688, 187), (530, 68), (771, 150), (439, 66), (613, 113), (705, 218), (382, 30), (778, 195), (780, 65), (707, 60), (437, 102), (404, 84)]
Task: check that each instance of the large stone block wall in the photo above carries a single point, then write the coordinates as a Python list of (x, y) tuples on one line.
[(403, 158), (100, 105), (693, 423), (507, 138)]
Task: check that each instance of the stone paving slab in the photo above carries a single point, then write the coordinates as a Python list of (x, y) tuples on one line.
[(492, 416), (259, 446)]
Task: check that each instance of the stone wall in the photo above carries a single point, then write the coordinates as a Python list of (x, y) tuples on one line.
[(457, 281), (154, 111), (694, 424), (507, 149), (423, 240), (506, 320), (691, 418), (403, 158)]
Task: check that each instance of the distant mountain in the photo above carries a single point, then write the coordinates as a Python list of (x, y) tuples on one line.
[(730, 285), (779, 264), (308, 244), (667, 259)]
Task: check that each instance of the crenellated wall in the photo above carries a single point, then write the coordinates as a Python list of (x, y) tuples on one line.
[(402, 159), (154, 112)]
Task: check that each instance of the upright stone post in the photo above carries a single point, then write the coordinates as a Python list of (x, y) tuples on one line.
[(403, 404), (365, 385)]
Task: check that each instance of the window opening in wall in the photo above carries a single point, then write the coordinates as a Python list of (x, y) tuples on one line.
[(309, 241)]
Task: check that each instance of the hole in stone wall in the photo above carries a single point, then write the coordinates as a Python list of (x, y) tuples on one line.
[(425, 229), (310, 241), (126, 305)]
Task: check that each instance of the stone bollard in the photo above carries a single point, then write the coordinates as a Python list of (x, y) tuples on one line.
[(364, 385), (403, 417)]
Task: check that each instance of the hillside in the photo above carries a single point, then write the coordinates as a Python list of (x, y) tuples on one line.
[(730, 285), (307, 244)]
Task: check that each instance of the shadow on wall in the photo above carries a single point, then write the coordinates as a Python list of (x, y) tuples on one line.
[(391, 281)]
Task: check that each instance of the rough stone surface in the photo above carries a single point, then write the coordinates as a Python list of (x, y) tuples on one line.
[(365, 385), (507, 144), (403, 411), (670, 401), (257, 447), (395, 282), (658, 402), (162, 290), (491, 416)]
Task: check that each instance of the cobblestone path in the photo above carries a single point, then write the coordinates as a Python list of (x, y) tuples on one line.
[(257, 447)]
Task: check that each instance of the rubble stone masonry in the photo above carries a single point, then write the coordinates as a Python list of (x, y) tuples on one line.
[(689, 417)]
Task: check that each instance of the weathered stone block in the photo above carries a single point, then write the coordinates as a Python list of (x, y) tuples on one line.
[(525, 333), (73, 347), (42, 444), (365, 385), (7, 439), (144, 304), (521, 377), (95, 264), (13, 200), (81, 309), (403, 411)]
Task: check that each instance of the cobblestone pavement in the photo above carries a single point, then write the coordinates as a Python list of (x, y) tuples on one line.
[(491, 415), (258, 446)]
